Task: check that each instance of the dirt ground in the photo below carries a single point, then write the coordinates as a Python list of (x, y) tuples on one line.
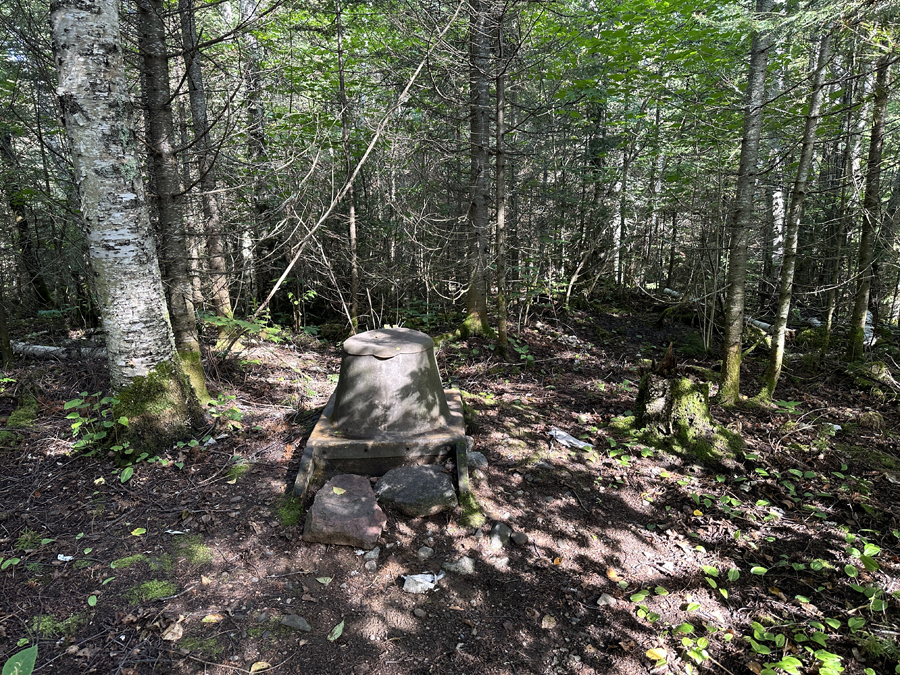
[(789, 562)]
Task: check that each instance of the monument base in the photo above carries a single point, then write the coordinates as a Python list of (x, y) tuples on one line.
[(329, 451)]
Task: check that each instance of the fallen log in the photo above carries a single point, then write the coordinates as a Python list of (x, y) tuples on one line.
[(60, 353)]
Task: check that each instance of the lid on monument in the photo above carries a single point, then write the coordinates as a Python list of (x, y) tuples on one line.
[(388, 342)]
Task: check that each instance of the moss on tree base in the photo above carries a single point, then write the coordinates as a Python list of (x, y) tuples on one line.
[(673, 414), (193, 369), (161, 408)]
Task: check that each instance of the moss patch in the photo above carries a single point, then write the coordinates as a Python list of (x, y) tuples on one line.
[(128, 561), (24, 415), (48, 625), (154, 589), (206, 646), (289, 510), (472, 515), (192, 549)]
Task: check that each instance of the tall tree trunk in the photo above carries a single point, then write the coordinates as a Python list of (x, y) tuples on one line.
[(215, 249), (871, 208), (792, 225), (479, 109), (93, 93), (500, 135), (742, 217), (174, 251), (348, 159)]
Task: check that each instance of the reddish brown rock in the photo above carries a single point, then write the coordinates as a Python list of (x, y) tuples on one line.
[(345, 512)]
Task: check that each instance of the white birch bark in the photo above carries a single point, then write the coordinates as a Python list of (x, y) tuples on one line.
[(94, 98)]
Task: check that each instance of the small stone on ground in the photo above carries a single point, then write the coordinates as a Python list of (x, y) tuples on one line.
[(519, 538), (464, 565), (295, 621), (500, 534)]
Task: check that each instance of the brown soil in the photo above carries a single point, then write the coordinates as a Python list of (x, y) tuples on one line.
[(655, 532)]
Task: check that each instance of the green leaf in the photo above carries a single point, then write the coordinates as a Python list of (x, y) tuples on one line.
[(21, 663), (661, 591), (44, 542), (336, 632), (834, 623), (639, 596), (138, 531), (758, 648), (869, 563), (851, 571), (734, 574), (692, 606), (711, 582), (92, 600), (685, 628), (324, 580), (757, 570), (73, 403), (8, 562), (126, 474), (123, 421), (856, 623), (710, 570)]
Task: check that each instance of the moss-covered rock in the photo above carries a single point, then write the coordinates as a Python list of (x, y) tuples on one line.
[(161, 408), (193, 369), (673, 414)]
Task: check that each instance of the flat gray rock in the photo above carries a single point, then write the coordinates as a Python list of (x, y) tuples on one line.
[(464, 565), (500, 534), (416, 491), (297, 622), (477, 460), (345, 512)]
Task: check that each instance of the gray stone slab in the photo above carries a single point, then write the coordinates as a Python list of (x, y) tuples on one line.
[(416, 491)]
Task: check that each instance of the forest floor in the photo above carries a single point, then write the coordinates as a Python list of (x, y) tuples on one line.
[(191, 564)]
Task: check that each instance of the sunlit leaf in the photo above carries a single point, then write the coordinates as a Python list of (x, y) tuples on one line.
[(336, 632), (757, 570), (138, 531), (92, 600), (337, 490), (657, 654), (324, 580)]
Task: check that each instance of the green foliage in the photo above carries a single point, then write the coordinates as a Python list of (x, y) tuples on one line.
[(260, 327), (94, 426), (47, 625)]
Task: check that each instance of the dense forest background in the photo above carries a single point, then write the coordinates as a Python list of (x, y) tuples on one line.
[(425, 163)]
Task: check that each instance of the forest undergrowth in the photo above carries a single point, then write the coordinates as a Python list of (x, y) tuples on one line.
[(637, 560)]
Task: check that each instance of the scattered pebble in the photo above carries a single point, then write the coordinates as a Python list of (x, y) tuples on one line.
[(296, 621), (425, 552), (464, 565), (519, 538), (419, 612)]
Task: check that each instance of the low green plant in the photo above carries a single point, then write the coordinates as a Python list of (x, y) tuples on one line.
[(128, 561), (48, 625), (222, 409), (24, 415), (93, 426), (238, 468), (28, 539)]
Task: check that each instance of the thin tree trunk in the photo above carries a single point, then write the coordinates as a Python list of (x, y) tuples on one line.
[(348, 158), (215, 249), (792, 225), (871, 207), (742, 217), (500, 132), (94, 97), (479, 107), (174, 253)]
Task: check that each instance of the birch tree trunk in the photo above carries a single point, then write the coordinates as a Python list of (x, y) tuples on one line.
[(500, 136), (175, 253), (871, 208), (742, 217), (93, 94), (792, 225)]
